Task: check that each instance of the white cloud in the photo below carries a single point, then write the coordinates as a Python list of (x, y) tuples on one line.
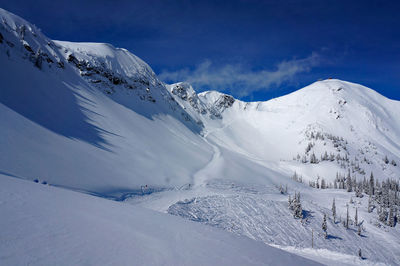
[(237, 79)]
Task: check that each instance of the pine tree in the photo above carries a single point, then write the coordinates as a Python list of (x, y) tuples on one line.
[(325, 226), (298, 211), (334, 210), (371, 189), (383, 215), (347, 217), (313, 159), (391, 217), (348, 182), (370, 207), (323, 184), (356, 217), (386, 160)]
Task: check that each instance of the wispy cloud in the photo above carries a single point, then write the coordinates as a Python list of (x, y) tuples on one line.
[(239, 80)]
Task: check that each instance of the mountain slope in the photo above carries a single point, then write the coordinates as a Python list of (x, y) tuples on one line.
[(60, 127)]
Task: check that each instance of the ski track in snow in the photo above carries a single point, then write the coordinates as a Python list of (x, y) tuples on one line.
[(201, 176)]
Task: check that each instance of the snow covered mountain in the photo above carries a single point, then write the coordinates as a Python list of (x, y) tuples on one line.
[(96, 119), (68, 107), (346, 126)]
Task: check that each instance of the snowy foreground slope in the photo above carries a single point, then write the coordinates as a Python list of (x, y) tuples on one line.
[(95, 119), (43, 225)]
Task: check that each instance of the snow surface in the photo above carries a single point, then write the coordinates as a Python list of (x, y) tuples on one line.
[(44, 225), (95, 119)]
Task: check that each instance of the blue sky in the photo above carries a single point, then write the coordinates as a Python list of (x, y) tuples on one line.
[(255, 50)]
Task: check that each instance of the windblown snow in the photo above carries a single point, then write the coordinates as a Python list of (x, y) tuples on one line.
[(210, 176)]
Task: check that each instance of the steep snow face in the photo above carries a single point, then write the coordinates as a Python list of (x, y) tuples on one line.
[(89, 116)]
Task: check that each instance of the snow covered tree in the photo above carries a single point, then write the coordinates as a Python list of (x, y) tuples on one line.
[(309, 147), (397, 217), (348, 182), (347, 218), (356, 217), (325, 226), (371, 189), (390, 220), (325, 156), (290, 201), (370, 206), (359, 190), (383, 215), (297, 210), (386, 160), (313, 159), (334, 210), (281, 189), (323, 184)]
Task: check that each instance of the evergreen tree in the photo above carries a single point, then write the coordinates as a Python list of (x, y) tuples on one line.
[(334, 210), (370, 207), (325, 226), (371, 189), (348, 182), (323, 184), (356, 217), (313, 159), (347, 217), (391, 217), (383, 215), (298, 211), (386, 160)]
